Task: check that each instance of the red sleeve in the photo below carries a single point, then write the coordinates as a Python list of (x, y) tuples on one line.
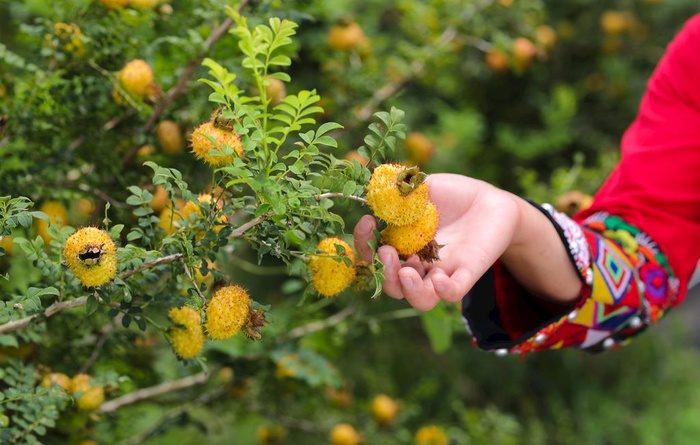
[(656, 185)]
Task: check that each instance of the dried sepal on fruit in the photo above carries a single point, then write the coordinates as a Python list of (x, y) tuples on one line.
[(333, 267), (91, 256), (228, 311), (187, 335), (201, 143), (415, 238), (397, 193)]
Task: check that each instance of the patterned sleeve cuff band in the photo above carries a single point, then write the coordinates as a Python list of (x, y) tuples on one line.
[(627, 285)]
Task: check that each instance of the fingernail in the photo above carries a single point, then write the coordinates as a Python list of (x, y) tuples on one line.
[(406, 282), (365, 226)]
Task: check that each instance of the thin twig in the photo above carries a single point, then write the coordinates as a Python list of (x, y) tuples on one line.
[(55, 308), (243, 228), (153, 391), (319, 325), (107, 330), (194, 282), (151, 264), (340, 195)]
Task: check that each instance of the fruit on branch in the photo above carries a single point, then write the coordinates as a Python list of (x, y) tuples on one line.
[(333, 268), (90, 396), (56, 378), (57, 215), (160, 198), (546, 36), (187, 336), (7, 244), (345, 434), (91, 256), (228, 311), (384, 409), (430, 435), (415, 238), (201, 144), (524, 52), (419, 148), (346, 37), (136, 77), (496, 60), (397, 193), (169, 137)]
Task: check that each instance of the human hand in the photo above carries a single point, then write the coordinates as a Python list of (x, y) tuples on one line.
[(477, 224)]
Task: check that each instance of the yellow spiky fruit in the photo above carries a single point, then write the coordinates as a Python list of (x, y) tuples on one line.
[(187, 337), (330, 274), (201, 145), (384, 409), (170, 137), (57, 216), (91, 399), (136, 77), (411, 238), (430, 435), (79, 383), (227, 312), (91, 256), (56, 378), (345, 434), (397, 193)]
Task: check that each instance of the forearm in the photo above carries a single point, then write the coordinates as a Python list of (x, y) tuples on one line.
[(537, 258)]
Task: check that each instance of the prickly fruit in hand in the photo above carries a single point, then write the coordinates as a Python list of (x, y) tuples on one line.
[(136, 77), (201, 144), (412, 238), (91, 256), (397, 193), (330, 273), (187, 337), (228, 312)]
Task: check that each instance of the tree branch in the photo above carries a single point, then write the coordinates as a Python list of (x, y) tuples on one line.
[(181, 84), (318, 325), (59, 306), (243, 228), (152, 392)]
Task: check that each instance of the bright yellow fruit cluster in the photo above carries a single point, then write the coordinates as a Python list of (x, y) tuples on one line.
[(227, 312), (398, 194), (89, 396), (91, 256), (330, 274), (187, 336)]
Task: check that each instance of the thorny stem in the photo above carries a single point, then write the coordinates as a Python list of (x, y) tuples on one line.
[(340, 195)]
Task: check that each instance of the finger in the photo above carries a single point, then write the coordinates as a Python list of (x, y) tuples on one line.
[(417, 291), (451, 288), (414, 262), (390, 260), (363, 233)]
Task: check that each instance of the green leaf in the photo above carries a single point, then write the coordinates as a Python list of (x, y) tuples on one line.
[(438, 327)]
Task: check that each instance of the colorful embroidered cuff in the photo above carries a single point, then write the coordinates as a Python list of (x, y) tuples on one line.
[(627, 285)]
